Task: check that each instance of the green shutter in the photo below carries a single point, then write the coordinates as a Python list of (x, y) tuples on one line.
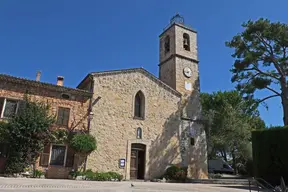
[(66, 116)]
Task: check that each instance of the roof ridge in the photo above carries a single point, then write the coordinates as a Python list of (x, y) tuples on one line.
[(42, 83)]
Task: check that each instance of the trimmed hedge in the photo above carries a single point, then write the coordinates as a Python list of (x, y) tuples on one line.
[(176, 173), (83, 143), (98, 176), (270, 157)]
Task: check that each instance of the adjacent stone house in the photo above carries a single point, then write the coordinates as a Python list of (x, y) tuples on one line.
[(142, 123), (70, 106)]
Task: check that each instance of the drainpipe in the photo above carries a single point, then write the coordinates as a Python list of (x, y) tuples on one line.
[(90, 111), (90, 102)]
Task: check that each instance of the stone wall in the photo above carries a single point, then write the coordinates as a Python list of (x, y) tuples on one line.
[(78, 105), (167, 72), (78, 112), (114, 124)]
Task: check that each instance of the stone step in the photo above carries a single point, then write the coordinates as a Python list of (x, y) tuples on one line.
[(220, 181)]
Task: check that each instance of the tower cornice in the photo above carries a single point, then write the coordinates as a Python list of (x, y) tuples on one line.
[(180, 56)]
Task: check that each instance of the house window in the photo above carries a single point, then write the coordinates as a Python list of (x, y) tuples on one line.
[(186, 42), (8, 107), (139, 133), (167, 44), (139, 108), (58, 155), (63, 116)]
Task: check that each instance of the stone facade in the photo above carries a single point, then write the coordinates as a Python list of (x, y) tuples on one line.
[(171, 113), (78, 103), (114, 124)]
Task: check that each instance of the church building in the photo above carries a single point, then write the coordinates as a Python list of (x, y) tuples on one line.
[(142, 123)]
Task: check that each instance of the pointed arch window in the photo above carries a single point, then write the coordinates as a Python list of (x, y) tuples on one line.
[(139, 105), (167, 44), (139, 133), (186, 42)]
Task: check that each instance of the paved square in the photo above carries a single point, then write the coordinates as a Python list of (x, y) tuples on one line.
[(49, 185)]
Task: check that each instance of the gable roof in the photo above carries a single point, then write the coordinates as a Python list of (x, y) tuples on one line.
[(28, 82), (133, 70)]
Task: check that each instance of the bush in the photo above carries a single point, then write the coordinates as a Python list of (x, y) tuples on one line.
[(176, 173), (74, 174), (28, 131), (270, 159), (215, 176), (83, 143), (106, 176), (98, 176), (37, 173)]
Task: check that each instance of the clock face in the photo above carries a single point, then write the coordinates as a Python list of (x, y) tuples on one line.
[(187, 72)]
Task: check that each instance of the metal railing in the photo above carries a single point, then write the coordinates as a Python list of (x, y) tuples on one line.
[(263, 185)]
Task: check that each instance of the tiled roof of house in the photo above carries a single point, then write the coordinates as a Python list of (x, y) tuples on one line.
[(33, 83)]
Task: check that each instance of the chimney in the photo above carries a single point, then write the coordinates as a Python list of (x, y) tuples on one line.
[(60, 80), (38, 75)]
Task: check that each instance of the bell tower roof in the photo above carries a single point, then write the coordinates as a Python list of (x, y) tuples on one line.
[(179, 21)]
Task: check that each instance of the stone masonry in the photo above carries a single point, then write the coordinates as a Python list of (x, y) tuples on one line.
[(114, 125), (15, 88)]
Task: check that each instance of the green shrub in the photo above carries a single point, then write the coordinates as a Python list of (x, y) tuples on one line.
[(37, 173), (270, 159), (215, 176), (104, 176), (89, 174), (83, 143), (176, 173), (74, 174)]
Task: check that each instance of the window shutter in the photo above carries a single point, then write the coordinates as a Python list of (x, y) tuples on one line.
[(44, 158), (66, 117), (60, 116), (21, 106), (63, 116), (70, 157)]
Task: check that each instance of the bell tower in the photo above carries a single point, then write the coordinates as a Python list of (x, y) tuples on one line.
[(178, 65), (178, 68)]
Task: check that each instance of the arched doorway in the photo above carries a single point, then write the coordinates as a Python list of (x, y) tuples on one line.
[(137, 163)]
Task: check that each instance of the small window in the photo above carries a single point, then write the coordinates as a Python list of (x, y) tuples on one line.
[(186, 42), (139, 133), (139, 108), (192, 141), (63, 116), (65, 96), (167, 44), (58, 155), (8, 107)]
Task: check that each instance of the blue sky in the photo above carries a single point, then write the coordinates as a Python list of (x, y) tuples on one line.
[(72, 38)]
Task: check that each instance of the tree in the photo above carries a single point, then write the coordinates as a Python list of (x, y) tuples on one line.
[(228, 122), (261, 61), (28, 132)]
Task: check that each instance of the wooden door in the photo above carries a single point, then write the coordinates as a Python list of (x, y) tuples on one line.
[(134, 164)]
